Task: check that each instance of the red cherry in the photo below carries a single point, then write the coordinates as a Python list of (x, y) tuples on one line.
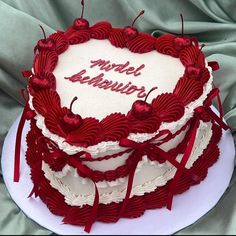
[(130, 33), (193, 71), (40, 83), (70, 120), (45, 44), (141, 109), (80, 24), (181, 42)]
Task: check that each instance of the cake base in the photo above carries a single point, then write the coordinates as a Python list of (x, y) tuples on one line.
[(159, 221)]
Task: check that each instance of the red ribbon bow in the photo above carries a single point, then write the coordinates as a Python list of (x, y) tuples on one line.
[(51, 152), (148, 148), (76, 162), (154, 152)]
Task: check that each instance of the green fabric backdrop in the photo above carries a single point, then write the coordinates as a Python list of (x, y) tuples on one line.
[(212, 21)]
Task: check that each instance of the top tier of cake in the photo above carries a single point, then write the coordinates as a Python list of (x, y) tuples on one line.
[(109, 73)]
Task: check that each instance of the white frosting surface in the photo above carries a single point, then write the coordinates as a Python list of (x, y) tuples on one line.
[(148, 176), (160, 70)]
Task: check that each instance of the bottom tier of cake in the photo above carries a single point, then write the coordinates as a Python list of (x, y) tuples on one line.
[(111, 212)]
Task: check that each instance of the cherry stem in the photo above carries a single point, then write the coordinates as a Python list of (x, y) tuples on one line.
[(154, 88), (141, 13), (22, 91), (82, 14), (43, 32), (182, 20), (71, 104)]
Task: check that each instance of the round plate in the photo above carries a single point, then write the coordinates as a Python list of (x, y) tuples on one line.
[(187, 207)]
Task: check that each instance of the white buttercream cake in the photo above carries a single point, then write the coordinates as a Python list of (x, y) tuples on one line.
[(120, 121)]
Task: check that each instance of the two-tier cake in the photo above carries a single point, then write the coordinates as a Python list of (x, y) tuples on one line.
[(120, 121)]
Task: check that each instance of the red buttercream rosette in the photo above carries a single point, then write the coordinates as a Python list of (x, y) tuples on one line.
[(142, 43), (45, 100), (165, 45), (148, 125), (61, 42), (77, 36), (54, 121), (101, 30), (192, 56), (114, 126), (116, 38), (45, 61), (173, 112), (188, 90), (86, 134)]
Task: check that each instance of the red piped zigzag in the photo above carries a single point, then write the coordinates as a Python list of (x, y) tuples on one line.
[(110, 212), (61, 42), (116, 126)]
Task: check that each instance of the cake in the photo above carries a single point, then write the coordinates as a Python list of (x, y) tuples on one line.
[(120, 121)]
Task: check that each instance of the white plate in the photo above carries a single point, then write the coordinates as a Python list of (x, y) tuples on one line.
[(187, 207)]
